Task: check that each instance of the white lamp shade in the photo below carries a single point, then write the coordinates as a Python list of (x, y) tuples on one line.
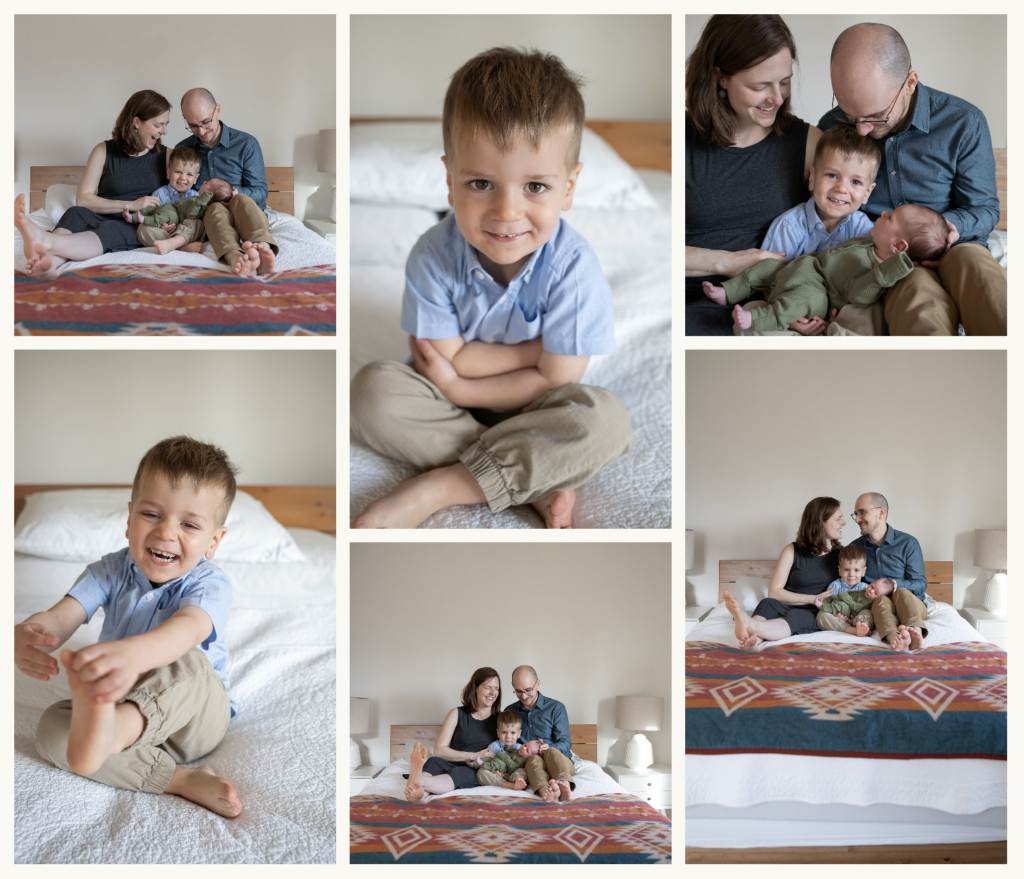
[(990, 549), (639, 712), (327, 152), (358, 716), (689, 549)]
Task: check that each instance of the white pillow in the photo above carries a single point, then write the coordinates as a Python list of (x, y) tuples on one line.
[(408, 749), (749, 591), (84, 524), (400, 163), (60, 197), (386, 233)]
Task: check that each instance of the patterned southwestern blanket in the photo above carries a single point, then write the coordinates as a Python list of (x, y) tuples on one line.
[(120, 299), (840, 700), (610, 829)]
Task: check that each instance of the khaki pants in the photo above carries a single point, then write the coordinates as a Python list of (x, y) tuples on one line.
[(552, 764), (187, 711), (228, 225), (485, 776), (829, 622), (190, 230), (900, 608), (557, 442)]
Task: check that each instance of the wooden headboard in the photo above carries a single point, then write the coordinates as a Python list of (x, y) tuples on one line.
[(280, 185), (583, 735), (294, 506), (640, 144), (938, 574)]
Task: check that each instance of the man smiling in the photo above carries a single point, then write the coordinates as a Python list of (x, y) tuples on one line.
[(550, 772)]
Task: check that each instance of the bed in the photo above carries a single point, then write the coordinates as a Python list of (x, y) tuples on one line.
[(827, 748), (280, 749), (140, 292), (602, 824), (398, 192)]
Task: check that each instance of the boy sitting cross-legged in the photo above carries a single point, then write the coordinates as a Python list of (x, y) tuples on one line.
[(505, 768), (153, 692), (504, 304)]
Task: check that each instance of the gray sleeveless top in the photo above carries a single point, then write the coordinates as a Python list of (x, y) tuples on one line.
[(811, 574), (126, 178)]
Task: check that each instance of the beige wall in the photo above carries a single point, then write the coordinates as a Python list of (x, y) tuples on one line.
[(401, 64), (88, 416), (767, 431), (964, 55), (424, 616), (273, 75)]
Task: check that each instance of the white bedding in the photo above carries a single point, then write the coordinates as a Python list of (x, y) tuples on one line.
[(299, 247), (279, 752), (634, 248)]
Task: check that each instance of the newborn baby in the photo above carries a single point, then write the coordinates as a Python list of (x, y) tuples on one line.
[(506, 768), (213, 190)]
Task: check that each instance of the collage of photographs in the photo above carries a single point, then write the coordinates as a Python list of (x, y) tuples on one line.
[(522, 342)]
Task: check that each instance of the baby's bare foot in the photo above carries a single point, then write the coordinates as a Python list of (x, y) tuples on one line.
[(138, 218), (738, 614), (715, 294), (742, 318), (127, 214), (203, 786), (93, 727), (166, 245), (415, 500), (916, 641), (556, 508), (265, 255)]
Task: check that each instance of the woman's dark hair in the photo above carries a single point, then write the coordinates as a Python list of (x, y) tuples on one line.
[(145, 104), (811, 534), (731, 43), (469, 693)]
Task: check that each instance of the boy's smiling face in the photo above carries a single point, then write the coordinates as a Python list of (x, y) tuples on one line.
[(508, 735), (507, 205), (170, 530), (840, 185), (183, 177), (852, 573)]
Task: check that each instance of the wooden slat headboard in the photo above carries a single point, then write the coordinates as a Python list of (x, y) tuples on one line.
[(583, 735), (938, 574), (280, 185)]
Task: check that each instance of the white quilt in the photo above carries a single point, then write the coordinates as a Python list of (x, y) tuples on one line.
[(635, 249), (279, 752)]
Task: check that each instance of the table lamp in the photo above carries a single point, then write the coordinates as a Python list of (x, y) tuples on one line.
[(990, 552), (326, 162), (689, 549), (358, 724), (639, 713)]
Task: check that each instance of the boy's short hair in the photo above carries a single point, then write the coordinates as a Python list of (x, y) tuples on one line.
[(853, 554), (925, 231), (506, 93), (510, 718), (844, 139), (183, 458), (186, 155)]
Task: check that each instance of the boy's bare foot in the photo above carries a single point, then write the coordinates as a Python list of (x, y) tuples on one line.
[(556, 508), (242, 264), (166, 245), (742, 318), (415, 500), (565, 792), (900, 640), (715, 294), (194, 247), (550, 793), (40, 263), (203, 786), (93, 727), (914, 633), (519, 784), (264, 254), (863, 629), (414, 792), (738, 614), (751, 642)]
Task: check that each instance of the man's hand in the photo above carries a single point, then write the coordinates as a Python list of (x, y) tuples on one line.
[(234, 192), (31, 640), (543, 747), (814, 326), (951, 238), (110, 668), (429, 363)]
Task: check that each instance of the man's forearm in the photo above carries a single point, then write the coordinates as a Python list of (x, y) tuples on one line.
[(481, 359)]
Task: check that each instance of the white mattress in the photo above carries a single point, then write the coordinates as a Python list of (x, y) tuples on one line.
[(279, 752), (634, 248)]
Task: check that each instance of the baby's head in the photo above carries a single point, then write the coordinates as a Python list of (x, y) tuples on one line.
[(529, 749), (853, 562), (512, 125), (183, 168), (220, 189), (843, 175), (182, 492), (884, 586), (913, 228), (509, 726)]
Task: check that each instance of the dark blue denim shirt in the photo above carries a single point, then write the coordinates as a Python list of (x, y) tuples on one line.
[(899, 558), (941, 158), (237, 158), (547, 720)]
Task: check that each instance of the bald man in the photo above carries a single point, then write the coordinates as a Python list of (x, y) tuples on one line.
[(892, 554), (550, 773), (937, 152), (239, 231)]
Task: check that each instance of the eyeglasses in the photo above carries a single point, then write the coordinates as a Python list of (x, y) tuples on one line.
[(863, 512), (207, 125), (524, 692), (876, 124)]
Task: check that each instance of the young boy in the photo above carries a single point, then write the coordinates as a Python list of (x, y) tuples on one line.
[(153, 692), (506, 767), (848, 606), (504, 304), (842, 178), (857, 272), (853, 561), (183, 166)]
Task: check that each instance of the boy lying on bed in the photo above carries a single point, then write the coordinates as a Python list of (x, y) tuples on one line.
[(846, 604), (507, 768), (505, 304), (153, 692)]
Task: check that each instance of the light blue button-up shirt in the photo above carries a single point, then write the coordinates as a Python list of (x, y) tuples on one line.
[(168, 194), (840, 585), (800, 231), (560, 294), (133, 606)]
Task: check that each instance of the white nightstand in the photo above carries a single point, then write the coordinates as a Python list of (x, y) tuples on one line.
[(653, 785), (358, 777), (991, 625), (325, 229), (694, 613)]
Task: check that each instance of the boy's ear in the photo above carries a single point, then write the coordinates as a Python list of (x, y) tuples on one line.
[(215, 542), (571, 187), (810, 181), (448, 179), (867, 195), (128, 527)]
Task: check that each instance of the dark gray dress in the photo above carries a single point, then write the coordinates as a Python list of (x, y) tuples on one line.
[(471, 735), (124, 178), (810, 575)]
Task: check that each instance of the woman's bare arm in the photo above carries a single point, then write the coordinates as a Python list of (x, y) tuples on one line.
[(441, 745), (701, 261), (777, 586), (90, 182)]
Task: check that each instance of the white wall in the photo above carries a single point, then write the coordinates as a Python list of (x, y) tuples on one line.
[(89, 416), (401, 64), (766, 431), (273, 75), (964, 55), (593, 620)]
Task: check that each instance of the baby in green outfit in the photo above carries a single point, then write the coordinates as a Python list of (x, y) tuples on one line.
[(213, 190), (506, 768)]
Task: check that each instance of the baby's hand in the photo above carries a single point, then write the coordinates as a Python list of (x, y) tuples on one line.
[(110, 668), (31, 640)]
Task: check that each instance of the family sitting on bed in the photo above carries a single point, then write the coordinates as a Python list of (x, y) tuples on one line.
[(476, 731), (894, 587), (153, 692), (505, 304)]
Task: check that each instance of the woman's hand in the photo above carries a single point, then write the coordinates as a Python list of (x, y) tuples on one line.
[(820, 598), (147, 201), (740, 260), (485, 754)]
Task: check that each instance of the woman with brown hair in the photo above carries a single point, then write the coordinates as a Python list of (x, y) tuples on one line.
[(747, 157), (122, 172), (805, 567), (466, 734)]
